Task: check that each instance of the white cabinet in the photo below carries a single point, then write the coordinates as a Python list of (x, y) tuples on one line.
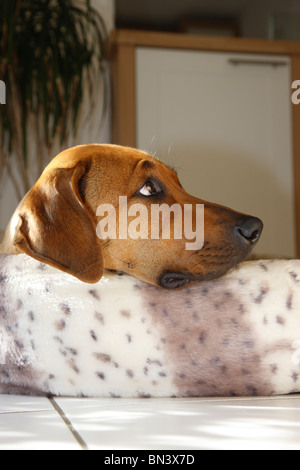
[(224, 121)]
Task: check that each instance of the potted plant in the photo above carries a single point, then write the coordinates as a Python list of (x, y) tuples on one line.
[(51, 52)]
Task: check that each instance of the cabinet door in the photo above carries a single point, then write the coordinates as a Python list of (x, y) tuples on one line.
[(224, 122)]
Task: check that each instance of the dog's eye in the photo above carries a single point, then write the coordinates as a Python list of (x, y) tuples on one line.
[(150, 188)]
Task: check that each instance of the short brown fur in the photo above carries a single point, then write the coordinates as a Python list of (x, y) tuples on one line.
[(56, 221)]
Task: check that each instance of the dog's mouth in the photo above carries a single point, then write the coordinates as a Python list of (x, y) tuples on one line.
[(176, 280)]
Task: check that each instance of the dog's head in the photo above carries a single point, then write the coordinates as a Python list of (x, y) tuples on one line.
[(99, 207)]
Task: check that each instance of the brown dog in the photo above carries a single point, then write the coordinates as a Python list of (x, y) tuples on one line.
[(56, 222)]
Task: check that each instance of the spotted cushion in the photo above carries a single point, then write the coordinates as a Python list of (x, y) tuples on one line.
[(238, 335)]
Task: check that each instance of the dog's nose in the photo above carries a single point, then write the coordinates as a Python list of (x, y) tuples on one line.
[(249, 230)]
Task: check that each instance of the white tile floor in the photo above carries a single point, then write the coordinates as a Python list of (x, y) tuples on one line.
[(149, 424)]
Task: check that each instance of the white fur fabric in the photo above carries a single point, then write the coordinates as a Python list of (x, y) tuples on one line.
[(235, 336)]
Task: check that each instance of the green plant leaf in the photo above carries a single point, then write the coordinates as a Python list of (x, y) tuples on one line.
[(49, 46)]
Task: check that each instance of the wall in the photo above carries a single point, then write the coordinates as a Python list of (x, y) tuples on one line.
[(253, 15), (170, 12), (255, 20)]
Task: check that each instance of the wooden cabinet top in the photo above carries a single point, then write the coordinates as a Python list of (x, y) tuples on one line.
[(134, 38)]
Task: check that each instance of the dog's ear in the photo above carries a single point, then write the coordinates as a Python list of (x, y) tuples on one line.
[(56, 227)]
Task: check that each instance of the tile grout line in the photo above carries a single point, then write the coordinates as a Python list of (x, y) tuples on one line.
[(23, 412), (70, 426)]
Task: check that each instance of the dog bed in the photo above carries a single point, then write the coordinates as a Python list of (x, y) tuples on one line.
[(235, 336)]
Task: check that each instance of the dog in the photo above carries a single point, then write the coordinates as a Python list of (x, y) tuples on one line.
[(233, 334), (56, 222)]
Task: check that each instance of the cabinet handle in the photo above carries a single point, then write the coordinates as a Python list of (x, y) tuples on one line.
[(272, 63)]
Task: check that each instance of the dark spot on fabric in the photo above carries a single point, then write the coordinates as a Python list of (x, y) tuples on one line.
[(234, 322), (93, 335), (258, 299), (201, 382), (252, 390), (196, 316), (125, 313), (41, 266), (19, 344), (263, 266), (63, 352), (3, 278), (102, 357), (48, 288), (295, 376), (60, 325), (99, 317), (65, 308), (129, 337), (58, 339), (3, 311), (130, 373), (280, 320), (228, 295), (144, 395), (72, 351), (94, 294), (202, 337), (294, 277), (154, 362), (242, 309), (274, 368), (289, 301), (73, 366), (215, 361), (4, 373), (100, 375), (31, 316)]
